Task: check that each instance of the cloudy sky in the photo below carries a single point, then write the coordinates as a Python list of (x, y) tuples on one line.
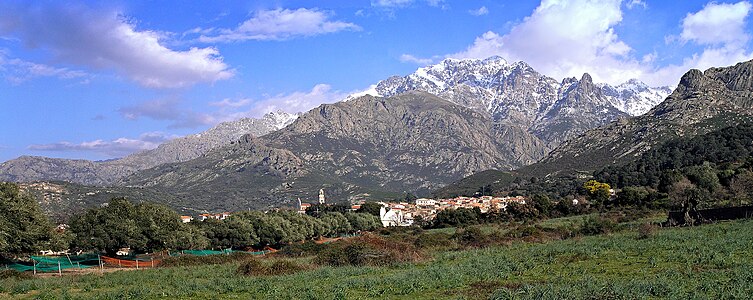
[(102, 80)]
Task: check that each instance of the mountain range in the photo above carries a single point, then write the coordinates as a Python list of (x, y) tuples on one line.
[(37, 168), (405, 134)]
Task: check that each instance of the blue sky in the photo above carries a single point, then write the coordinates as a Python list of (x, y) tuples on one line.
[(100, 80)]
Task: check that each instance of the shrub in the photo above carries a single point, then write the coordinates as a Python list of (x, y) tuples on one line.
[(255, 267), (369, 250), (596, 225), (434, 240), (472, 237), (309, 248), (646, 230)]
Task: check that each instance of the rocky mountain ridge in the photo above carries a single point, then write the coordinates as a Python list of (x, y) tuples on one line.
[(36, 168), (516, 94), (702, 102), (369, 147)]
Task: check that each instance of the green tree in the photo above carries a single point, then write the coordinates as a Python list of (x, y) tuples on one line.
[(597, 192), (370, 208), (362, 221), (542, 203), (143, 227), (742, 187), (23, 226), (337, 223), (229, 233), (271, 230)]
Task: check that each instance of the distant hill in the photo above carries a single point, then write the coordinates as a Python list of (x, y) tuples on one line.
[(36, 168)]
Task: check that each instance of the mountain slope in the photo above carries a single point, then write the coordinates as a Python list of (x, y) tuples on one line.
[(702, 102), (34, 168), (518, 95), (370, 146)]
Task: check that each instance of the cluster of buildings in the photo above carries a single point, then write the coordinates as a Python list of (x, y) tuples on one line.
[(404, 213)]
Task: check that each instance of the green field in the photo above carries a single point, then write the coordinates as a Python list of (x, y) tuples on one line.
[(706, 262)]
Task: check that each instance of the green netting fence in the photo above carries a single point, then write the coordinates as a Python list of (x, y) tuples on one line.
[(59, 263), (52, 263)]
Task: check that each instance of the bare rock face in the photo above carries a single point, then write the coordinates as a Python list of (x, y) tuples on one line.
[(517, 95), (702, 102), (366, 146), (34, 168)]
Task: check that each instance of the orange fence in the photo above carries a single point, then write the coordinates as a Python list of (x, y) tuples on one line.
[(127, 263)]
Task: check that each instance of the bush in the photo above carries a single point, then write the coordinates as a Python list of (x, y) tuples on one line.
[(597, 225), (434, 240), (472, 237), (369, 250), (646, 230), (255, 267)]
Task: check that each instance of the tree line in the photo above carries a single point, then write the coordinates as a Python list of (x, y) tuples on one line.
[(147, 227)]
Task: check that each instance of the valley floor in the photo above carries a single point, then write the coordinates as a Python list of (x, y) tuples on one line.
[(705, 262)]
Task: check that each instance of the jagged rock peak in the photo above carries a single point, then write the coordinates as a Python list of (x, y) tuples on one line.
[(692, 79)]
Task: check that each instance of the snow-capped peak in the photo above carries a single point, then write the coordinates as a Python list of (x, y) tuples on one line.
[(280, 119)]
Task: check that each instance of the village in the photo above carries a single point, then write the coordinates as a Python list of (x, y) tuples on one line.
[(404, 213)]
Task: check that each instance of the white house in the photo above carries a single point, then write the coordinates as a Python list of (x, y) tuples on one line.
[(426, 202), (393, 217)]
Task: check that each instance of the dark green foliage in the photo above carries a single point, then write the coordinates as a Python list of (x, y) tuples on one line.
[(230, 233), (522, 212), (337, 223), (370, 208), (457, 217), (256, 267), (317, 210), (434, 240), (363, 222), (640, 196), (23, 226), (369, 250), (597, 225), (542, 203), (144, 227), (472, 237), (308, 248), (730, 144)]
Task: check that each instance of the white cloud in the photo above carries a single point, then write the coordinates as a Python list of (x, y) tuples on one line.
[(402, 3), (105, 40), (295, 102), (18, 71), (479, 12), (569, 38), (298, 101), (230, 103), (280, 24), (720, 29), (412, 59), (113, 148), (564, 39), (635, 3), (169, 109), (717, 23)]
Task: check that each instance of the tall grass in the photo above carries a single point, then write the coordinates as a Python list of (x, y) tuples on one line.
[(711, 262)]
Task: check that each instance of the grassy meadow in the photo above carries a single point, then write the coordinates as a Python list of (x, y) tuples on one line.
[(705, 262)]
